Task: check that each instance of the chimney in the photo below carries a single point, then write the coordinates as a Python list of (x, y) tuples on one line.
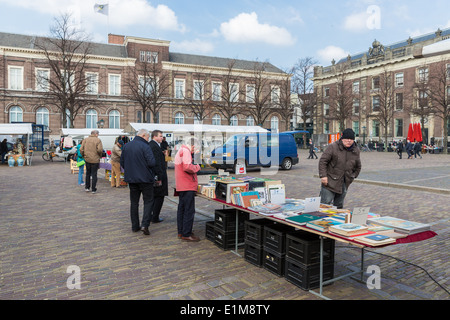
[(115, 39)]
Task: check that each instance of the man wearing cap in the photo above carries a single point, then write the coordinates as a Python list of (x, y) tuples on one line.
[(339, 165), (115, 164)]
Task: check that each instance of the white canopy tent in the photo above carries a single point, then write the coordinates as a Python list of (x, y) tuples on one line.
[(107, 136), (17, 129)]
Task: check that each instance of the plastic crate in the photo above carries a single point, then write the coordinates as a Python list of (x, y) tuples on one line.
[(273, 262), (225, 219), (275, 237), (209, 230), (253, 254), (307, 277), (304, 247), (254, 230), (227, 240)]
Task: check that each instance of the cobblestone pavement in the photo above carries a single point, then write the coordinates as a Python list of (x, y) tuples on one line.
[(48, 223)]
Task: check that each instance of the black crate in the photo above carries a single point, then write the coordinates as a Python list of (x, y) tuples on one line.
[(225, 219), (304, 247), (273, 262), (253, 254), (227, 240), (209, 230), (275, 237), (254, 230), (307, 277)]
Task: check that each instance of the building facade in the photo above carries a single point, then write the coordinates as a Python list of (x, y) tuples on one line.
[(387, 87), (110, 72)]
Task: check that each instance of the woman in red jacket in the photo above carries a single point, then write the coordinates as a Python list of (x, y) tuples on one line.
[(186, 184)]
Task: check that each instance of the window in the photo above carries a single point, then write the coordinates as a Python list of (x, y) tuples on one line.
[(250, 93), (423, 74), (146, 85), (376, 83), (68, 118), (326, 109), (198, 90), (355, 126), (399, 127), (326, 127), (69, 79), (376, 128), (275, 95), (148, 117), (197, 119), (274, 123), (399, 79), (179, 118), (148, 56), (269, 141), (376, 103), (355, 106), (251, 142), (114, 84), (114, 119), (15, 114), (91, 83), (250, 121), (139, 117), (216, 120), (91, 119), (399, 101), (326, 92), (234, 121), (16, 78), (234, 92), (356, 87), (216, 91), (179, 89), (142, 56), (42, 116), (42, 80)]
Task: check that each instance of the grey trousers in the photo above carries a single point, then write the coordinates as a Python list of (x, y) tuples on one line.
[(332, 198)]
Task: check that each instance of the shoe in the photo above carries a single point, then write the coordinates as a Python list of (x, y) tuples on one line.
[(87, 190), (191, 238), (180, 235), (93, 192), (145, 231), (82, 184), (158, 221), (137, 230)]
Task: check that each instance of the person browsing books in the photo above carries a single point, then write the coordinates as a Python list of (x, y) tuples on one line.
[(339, 165)]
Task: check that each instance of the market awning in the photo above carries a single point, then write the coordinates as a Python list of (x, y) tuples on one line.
[(83, 132), (166, 127), (16, 128)]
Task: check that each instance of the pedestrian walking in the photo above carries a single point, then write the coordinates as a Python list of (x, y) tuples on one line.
[(409, 149), (186, 185), (138, 162), (161, 185), (417, 148), (79, 158), (92, 150), (115, 164), (3, 150), (400, 149), (339, 165), (312, 153)]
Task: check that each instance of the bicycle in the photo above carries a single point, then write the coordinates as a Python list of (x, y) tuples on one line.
[(48, 155)]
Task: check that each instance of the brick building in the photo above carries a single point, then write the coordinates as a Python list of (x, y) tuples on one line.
[(111, 69), (387, 86)]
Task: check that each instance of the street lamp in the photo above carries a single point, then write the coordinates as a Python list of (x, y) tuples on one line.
[(101, 123), (364, 135)]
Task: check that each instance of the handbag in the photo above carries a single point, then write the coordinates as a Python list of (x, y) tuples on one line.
[(81, 163)]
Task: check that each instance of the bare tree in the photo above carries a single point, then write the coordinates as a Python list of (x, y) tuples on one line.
[(284, 107), (386, 110), (149, 86), (439, 95), (341, 99), (199, 98), (67, 53)]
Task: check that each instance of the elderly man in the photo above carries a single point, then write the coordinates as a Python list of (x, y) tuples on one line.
[(339, 165), (115, 164), (138, 161), (92, 150)]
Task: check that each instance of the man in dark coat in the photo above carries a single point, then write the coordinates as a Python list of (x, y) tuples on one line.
[(339, 165), (417, 149), (3, 149), (400, 149), (312, 154), (409, 149), (138, 162), (161, 184)]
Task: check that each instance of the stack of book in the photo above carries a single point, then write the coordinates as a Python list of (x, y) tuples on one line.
[(375, 240), (349, 230), (244, 199), (400, 225), (208, 190), (323, 224)]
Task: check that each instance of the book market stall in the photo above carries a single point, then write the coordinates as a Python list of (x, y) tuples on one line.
[(295, 238)]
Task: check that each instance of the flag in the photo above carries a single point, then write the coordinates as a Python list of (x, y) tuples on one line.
[(101, 8)]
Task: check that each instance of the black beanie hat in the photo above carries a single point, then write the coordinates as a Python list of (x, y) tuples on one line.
[(348, 134)]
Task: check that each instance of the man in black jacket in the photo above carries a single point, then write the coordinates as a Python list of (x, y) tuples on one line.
[(138, 162), (312, 154), (161, 185), (400, 149)]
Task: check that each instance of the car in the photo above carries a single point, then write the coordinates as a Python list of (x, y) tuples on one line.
[(256, 150)]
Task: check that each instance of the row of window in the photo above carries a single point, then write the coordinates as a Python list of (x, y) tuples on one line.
[(375, 131)]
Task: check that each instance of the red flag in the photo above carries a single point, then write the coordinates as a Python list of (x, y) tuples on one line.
[(419, 133), (410, 136)]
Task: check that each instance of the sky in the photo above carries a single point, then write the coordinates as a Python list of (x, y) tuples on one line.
[(280, 32)]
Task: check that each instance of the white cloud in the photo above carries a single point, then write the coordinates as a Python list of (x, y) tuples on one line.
[(329, 53), (356, 22), (195, 46), (246, 28)]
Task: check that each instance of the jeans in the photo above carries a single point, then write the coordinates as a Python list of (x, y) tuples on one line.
[(91, 171), (80, 174), (157, 206), (332, 198), (185, 213), (3, 157), (147, 194)]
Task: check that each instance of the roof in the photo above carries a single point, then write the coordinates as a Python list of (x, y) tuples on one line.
[(16, 128), (87, 132)]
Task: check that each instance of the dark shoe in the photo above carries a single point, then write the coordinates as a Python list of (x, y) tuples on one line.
[(137, 230), (180, 235), (145, 231), (158, 221), (191, 238)]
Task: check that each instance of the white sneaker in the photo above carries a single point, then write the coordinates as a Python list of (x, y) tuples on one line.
[(82, 184), (87, 190)]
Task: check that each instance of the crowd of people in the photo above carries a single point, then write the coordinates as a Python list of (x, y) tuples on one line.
[(143, 161)]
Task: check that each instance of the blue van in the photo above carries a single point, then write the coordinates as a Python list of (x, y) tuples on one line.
[(257, 150)]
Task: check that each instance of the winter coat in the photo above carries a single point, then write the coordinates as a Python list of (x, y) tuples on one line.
[(185, 171), (92, 149), (159, 170), (338, 163), (116, 153), (137, 161)]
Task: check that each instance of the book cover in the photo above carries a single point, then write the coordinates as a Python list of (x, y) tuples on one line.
[(323, 224), (235, 188), (374, 240), (262, 194), (246, 196), (400, 225), (348, 229), (302, 219), (277, 196)]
